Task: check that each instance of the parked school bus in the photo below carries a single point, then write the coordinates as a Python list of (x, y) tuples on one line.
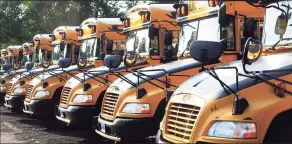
[(135, 105), (79, 98), (16, 85), (245, 101), (7, 56), (31, 61), (44, 92)]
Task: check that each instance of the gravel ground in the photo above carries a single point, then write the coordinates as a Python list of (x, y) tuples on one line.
[(20, 128)]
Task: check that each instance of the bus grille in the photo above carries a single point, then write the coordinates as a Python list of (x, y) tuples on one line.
[(65, 95), (9, 89), (180, 121), (109, 103), (29, 91)]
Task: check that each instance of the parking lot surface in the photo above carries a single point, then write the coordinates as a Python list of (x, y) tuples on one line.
[(20, 128)]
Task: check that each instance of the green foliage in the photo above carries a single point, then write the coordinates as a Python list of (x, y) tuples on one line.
[(21, 20)]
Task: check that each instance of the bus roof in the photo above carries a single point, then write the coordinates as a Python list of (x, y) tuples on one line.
[(101, 25), (68, 34), (43, 41)]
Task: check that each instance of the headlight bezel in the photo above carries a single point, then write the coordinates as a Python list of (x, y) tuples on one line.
[(83, 98), (127, 109), (38, 93), (19, 90), (236, 133)]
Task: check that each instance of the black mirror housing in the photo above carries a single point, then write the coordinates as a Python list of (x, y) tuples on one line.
[(141, 92), (152, 31), (223, 18), (64, 62), (112, 61), (7, 67), (206, 51), (29, 65), (249, 26), (168, 38)]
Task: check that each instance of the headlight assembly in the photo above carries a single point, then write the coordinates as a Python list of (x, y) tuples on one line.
[(136, 108), (19, 90), (228, 129), (42, 94), (82, 98)]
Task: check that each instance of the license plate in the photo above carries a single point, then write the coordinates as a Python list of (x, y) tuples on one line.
[(102, 128)]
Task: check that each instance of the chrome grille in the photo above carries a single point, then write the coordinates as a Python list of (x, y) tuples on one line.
[(110, 100), (65, 95), (29, 91), (180, 121), (9, 88)]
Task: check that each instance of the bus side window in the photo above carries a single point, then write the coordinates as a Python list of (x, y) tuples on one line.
[(175, 39), (228, 34), (155, 44)]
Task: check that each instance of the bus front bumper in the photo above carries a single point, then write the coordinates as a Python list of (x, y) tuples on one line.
[(75, 115), (14, 102), (123, 129), (38, 107)]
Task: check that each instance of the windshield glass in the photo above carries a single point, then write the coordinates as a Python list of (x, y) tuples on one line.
[(89, 49), (196, 30), (209, 29), (56, 54), (270, 38), (188, 33), (138, 41)]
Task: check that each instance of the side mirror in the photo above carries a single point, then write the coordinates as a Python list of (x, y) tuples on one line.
[(152, 31), (16, 66), (168, 38), (64, 62), (6, 67), (206, 51), (109, 45), (249, 27), (28, 65), (130, 58), (112, 61), (281, 25), (62, 46), (223, 18), (252, 51), (81, 63), (141, 92)]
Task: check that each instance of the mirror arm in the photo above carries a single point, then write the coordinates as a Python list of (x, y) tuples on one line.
[(104, 83), (118, 74), (273, 85)]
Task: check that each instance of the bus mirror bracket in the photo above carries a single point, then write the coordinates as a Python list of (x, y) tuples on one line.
[(86, 86), (141, 92)]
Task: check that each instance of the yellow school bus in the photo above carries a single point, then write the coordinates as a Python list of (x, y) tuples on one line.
[(7, 56), (132, 110), (79, 98), (43, 92), (245, 101)]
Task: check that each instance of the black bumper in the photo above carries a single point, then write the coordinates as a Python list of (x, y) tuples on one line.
[(75, 115), (39, 107), (125, 129), (14, 102)]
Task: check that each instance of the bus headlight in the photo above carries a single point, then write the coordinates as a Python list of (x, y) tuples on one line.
[(83, 98), (42, 94), (136, 108), (19, 90), (227, 129)]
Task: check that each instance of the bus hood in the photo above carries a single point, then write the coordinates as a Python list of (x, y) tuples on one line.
[(208, 87), (170, 68)]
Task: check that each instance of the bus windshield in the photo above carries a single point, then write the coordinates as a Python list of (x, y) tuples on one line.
[(196, 30), (90, 49), (270, 38), (138, 41)]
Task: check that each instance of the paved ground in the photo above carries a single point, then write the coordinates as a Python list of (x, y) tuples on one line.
[(20, 128)]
